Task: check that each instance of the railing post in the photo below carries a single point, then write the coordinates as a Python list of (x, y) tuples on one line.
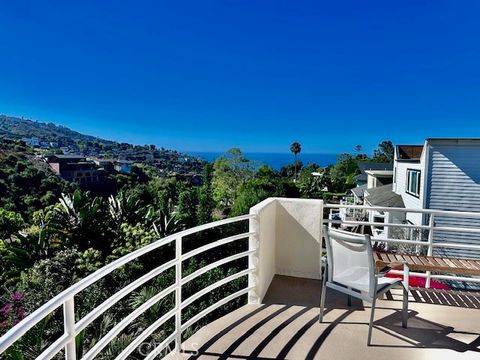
[(69, 328), (320, 240), (178, 295), (431, 225)]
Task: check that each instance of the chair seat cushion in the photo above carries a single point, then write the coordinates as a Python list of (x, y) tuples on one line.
[(357, 278)]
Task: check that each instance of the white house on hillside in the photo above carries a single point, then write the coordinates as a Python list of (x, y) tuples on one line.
[(442, 174)]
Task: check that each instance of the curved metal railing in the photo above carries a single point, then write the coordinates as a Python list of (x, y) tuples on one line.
[(73, 328)]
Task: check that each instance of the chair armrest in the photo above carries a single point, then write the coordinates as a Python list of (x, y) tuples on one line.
[(391, 266)]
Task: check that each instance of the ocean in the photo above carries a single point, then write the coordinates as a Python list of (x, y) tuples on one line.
[(274, 160)]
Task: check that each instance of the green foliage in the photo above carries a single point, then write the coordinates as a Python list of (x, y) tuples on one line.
[(10, 223), (296, 148), (26, 184), (385, 152), (288, 170), (187, 207), (126, 208), (87, 262), (343, 173), (131, 238), (312, 186), (47, 278), (266, 184), (206, 202), (82, 221), (251, 193), (230, 172)]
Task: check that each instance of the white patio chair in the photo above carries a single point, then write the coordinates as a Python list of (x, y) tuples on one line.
[(351, 270)]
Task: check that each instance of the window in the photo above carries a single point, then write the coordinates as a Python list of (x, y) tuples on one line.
[(413, 182), (379, 219)]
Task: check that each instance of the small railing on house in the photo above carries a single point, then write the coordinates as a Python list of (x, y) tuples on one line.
[(346, 212)]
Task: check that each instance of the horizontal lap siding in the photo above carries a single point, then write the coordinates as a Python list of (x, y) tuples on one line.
[(454, 184)]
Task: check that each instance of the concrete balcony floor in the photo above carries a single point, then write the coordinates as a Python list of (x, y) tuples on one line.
[(441, 326)]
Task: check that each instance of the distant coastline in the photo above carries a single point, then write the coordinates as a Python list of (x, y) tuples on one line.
[(274, 160)]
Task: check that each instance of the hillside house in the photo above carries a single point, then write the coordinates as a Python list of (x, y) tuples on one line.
[(372, 175), (124, 166), (74, 168)]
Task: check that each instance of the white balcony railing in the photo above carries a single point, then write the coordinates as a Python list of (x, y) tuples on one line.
[(472, 229), (73, 328), (285, 237)]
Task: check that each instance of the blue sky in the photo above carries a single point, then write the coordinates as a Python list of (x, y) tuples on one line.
[(210, 75)]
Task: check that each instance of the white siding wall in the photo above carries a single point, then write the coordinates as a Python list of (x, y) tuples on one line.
[(400, 186), (371, 181), (454, 184)]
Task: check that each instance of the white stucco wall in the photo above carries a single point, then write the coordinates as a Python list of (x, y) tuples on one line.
[(298, 237), (265, 226), (288, 242)]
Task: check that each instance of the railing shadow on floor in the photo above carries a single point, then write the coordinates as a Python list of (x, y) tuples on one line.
[(453, 298), (292, 298), (255, 353), (425, 334), (446, 297), (421, 333)]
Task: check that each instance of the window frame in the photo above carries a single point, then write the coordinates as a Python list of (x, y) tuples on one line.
[(407, 187)]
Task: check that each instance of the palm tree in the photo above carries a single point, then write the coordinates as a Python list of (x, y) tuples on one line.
[(296, 148)]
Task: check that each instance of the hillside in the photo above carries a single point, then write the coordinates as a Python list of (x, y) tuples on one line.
[(25, 184), (17, 128), (60, 139)]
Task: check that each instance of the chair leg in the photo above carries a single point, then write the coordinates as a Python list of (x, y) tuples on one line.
[(370, 325), (405, 308), (322, 297)]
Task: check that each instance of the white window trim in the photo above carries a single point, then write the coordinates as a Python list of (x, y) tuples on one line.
[(407, 187)]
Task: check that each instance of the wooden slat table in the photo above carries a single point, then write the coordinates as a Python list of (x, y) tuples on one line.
[(430, 263)]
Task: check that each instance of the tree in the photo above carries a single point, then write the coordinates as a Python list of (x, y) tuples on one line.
[(187, 207), (289, 170), (343, 173), (311, 186), (230, 172), (266, 183), (296, 148), (385, 152), (206, 203), (83, 221), (358, 148), (126, 208)]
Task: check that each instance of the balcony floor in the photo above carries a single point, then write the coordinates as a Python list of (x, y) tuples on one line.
[(286, 327)]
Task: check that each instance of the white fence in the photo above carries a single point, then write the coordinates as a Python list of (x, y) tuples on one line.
[(73, 328), (431, 228)]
